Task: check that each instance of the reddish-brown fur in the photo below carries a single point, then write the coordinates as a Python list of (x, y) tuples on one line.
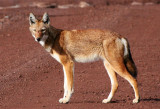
[(69, 47)]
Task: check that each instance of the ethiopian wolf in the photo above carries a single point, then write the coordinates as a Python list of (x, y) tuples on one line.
[(68, 47)]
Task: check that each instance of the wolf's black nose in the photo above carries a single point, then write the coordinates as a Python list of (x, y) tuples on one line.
[(38, 39)]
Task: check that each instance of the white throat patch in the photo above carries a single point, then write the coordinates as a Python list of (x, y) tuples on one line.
[(43, 40), (34, 37)]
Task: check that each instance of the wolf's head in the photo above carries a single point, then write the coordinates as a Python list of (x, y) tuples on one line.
[(39, 28)]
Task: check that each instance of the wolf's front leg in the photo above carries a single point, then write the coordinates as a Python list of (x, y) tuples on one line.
[(68, 69)]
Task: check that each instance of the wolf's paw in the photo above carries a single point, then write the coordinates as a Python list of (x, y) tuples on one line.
[(135, 100), (63, 100), (106, 101)]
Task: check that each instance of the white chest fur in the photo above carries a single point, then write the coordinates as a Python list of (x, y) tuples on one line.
[(56, 56), (48, 49), (43, 40)]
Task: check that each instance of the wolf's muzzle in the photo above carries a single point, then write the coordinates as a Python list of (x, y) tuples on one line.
[(38, 39)]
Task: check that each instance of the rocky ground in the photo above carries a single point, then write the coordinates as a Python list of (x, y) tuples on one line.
[(31, 79)]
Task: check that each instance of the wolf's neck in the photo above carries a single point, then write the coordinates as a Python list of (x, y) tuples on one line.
[(52, 35), (48, 40), (43, 40)]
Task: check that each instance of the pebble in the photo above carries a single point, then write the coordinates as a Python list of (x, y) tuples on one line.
[(83, 4), (2, 20), (44, 5), (136, 3), (6, 17), (149, 3), (1, 25)]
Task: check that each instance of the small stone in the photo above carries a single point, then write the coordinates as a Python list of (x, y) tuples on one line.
[(44, 5), (83, 4), (149, 3), (6, 17), (66, 6), (20, 76), (8, 35), (2, 20), (44, 106), (1, 25), (136, 3)]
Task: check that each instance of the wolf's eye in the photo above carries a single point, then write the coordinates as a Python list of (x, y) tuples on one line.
[(43, 30), (34, 30)]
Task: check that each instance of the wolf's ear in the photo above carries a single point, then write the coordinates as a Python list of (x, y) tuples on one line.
[(45, 18), (32, 19)]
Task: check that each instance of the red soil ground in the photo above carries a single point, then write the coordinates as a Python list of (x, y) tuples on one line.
[(31, 79)]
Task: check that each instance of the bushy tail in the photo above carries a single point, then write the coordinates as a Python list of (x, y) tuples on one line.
[(128, 61)]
